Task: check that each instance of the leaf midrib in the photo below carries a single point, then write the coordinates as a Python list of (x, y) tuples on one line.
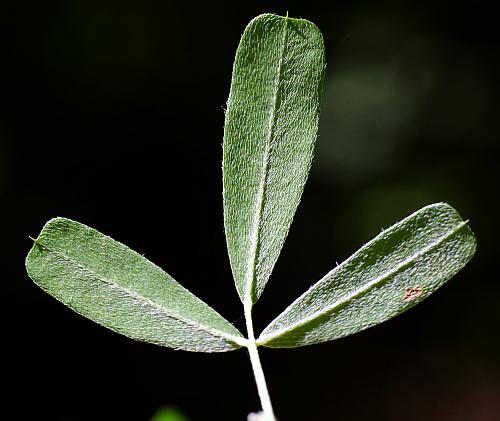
[(364, 289), (136, 296), (251, 280)]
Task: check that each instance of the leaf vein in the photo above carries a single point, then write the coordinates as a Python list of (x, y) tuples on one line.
[(261, 198)]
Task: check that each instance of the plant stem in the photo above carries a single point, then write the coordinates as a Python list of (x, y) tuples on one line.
[(258, 372)]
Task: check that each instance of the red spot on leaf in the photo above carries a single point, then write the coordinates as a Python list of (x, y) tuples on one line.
[(412, 293)]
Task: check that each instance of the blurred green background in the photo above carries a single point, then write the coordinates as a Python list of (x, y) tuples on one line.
[(112, 114)]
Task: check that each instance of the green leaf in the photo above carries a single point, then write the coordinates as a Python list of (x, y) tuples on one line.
[(168, 414), (396, 270), (269, 135), (118, 288)]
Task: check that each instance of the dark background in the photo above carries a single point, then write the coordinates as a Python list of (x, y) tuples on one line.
[(112, 114)]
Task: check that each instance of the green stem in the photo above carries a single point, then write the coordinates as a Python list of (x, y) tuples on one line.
[(258, 372)]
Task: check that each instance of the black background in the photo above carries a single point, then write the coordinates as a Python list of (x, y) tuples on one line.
[(112, 114)]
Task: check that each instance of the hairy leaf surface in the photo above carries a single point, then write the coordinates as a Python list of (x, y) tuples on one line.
[(116, 287), (396, 270), (269, 135)]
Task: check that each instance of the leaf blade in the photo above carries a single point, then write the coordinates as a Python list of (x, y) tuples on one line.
[(269, 135), (396, 270), (118, 288)]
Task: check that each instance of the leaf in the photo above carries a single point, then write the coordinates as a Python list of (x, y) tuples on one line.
[(118, 288), (269, 135), (168, 414), (396, 270)]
